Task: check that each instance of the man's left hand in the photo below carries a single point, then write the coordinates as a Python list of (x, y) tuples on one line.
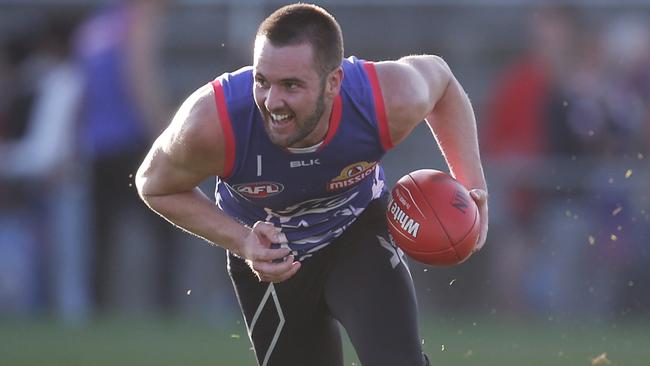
[(480, 196)]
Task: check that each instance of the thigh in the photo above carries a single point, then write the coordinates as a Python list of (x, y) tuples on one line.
[(370, 291), (288, 322)]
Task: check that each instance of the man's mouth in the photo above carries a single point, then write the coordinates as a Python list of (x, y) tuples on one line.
[(280, 119)]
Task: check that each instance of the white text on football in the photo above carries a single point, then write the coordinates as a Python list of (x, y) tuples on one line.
[(408, 224)]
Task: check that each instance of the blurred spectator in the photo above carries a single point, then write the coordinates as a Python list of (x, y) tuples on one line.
[(597, 119), (16, 91), (601, 118), (41, 220), (516, 124), (18, 240), (123, 110), (516, 131), (601, 110), (627, 43)]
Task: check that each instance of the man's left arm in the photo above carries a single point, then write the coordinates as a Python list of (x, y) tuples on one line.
[(420, 88)]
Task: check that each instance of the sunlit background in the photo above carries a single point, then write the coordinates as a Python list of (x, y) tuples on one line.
[(561, 89)]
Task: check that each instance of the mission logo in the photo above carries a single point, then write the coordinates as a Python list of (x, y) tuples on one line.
[(351, 175), (258, 189)]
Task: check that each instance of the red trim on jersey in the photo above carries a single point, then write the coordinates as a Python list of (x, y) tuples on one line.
[(380, 109), (226, 127), (335, 121)]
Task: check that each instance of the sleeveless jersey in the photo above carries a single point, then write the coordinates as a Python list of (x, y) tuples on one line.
[(312, 196)]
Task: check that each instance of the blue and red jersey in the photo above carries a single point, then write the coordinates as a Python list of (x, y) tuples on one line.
[(312, 195)]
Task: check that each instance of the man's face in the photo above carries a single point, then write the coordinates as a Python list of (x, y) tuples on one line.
[(290, 93)]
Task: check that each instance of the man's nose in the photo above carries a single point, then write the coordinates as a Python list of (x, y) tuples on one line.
[(273, 99)]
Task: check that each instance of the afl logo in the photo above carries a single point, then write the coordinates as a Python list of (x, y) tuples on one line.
[(258, 189), (351, 175)]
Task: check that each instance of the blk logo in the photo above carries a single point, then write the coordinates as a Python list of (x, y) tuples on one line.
[(302, 163), (460, 201)]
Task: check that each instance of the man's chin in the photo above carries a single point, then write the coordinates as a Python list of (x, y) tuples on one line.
[(285, 139), (279, 140)]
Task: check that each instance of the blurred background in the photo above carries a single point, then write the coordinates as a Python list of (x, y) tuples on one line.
[(561, 89)]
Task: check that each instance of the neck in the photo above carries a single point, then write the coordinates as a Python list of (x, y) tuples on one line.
[(305, 150)]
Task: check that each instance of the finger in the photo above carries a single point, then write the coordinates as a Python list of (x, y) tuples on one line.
[(285, 274), (269, 232), (263, 278), (293, 269), (270, 254), (479, 243), (479, 195), (273, 269), (482, 238), (295, 266)]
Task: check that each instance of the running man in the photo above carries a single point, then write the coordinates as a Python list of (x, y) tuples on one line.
[(295, 141)]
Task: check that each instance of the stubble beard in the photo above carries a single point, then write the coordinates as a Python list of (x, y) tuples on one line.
[(304, 129)]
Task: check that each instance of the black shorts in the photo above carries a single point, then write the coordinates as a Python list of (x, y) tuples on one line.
[(360, 281)]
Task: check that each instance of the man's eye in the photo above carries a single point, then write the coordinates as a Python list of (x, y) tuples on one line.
[(291, 85), (260, 82)]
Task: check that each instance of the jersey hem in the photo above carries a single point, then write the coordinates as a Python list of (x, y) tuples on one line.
[(380, 108), (226, 127)]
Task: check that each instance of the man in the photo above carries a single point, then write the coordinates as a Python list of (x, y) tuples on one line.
[(122, 112), (295, 142)]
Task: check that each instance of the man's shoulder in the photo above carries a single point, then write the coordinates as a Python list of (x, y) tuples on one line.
[(236, 87), (409, 86), (356, 81), (366, 73), (242, 72), (404, 88), (242, 76)]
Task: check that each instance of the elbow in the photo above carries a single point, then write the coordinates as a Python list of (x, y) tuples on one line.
[(441, 62), (142, 183), (442, 69)]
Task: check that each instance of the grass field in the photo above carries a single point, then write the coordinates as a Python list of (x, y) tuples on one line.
[(449, 342)]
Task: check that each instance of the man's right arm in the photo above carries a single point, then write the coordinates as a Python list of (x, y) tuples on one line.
[(189, 151), (179, 160)]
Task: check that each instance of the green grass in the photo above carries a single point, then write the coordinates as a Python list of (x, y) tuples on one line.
[(182, 342), (536, 344), (122, 342)]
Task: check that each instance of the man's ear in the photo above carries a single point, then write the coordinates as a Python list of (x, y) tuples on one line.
[(334, 80)]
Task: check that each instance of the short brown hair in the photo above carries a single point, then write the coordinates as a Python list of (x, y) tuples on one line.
[(299, 23)]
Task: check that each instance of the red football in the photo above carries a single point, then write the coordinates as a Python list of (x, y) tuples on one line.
[(432, 218)]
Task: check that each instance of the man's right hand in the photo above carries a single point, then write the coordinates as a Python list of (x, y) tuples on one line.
[(269, 265)]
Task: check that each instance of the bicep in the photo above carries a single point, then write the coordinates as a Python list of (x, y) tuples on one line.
[(187, 152), (411, 87), (433, 76)]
